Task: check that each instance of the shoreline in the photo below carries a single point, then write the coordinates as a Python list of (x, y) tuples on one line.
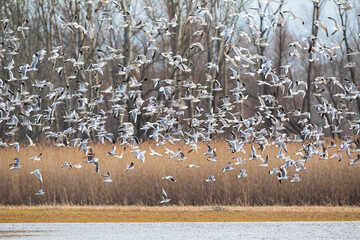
[(60, 213)]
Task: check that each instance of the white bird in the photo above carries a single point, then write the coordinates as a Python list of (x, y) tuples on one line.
[(129, 167), (36, 158), (227, 168), (274, 172), (77, 166), (209, 150), (337, 27), (31, 142), (107, 177), (293, 16), (264, 162), (296, 178), (66, 164), (94, 161), (211, 178), (239, 161), (198, 44), (337, 155), (165, 198), (242, 174), (213, 157), (323, 26), (176, 154), (211, 65), (15, 165), (121, 155), (192, 166), (282, 174), (37, 174), (171, 178), (168, 151), (3, 144), (355, 161), (152, 152), (40, 193), (15, 145), (10, 65), (139, 154), (181, 157), (253, 155), (112, 152), (36, 59)]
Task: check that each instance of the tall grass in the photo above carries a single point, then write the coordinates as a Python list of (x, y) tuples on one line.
[(325, 182)]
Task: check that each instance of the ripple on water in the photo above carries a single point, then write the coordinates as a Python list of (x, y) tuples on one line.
[(179, 230)]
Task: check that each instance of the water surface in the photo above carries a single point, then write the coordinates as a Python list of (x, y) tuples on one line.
[(181, 231)]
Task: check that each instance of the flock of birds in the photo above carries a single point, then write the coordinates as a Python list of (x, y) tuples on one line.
[(23, 109)]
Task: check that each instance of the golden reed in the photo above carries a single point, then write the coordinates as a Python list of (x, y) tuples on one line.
[(325, 182)]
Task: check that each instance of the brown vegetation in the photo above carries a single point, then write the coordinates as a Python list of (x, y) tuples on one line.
[(176, 214), (325, 182)]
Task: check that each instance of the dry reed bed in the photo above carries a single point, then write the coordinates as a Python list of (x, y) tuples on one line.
[(325, 182), (57, 213)]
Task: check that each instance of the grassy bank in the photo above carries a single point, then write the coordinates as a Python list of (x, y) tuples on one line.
[(324, 182), (176, 214)]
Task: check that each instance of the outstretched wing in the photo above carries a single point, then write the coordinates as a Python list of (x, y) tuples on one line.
[(96, 164), (164, 195), (38, 175), (113, 150), (31, 143)]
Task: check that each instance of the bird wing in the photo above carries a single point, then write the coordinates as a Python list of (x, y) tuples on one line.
[(266, 159), (152, 150), (334, 20), (177, 153), (253, 152), (39, 176), (30, 140), (113, 149), (356, 159), (136, 152), (96, 164), (214, 155), (163, 193), (35, 61), (168, 150), (283, 172), (17, 146), (142, 156), (322, 25)]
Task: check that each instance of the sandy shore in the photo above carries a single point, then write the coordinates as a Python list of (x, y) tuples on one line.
[(175, 214)]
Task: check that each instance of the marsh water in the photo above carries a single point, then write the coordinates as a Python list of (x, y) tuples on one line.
[(181, 230)]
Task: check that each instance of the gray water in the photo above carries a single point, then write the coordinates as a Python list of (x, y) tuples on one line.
[(183, 231)]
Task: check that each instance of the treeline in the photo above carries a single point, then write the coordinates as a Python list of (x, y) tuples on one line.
[(133, 39)]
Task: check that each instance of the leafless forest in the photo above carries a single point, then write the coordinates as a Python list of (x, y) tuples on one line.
[(203, 90)]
